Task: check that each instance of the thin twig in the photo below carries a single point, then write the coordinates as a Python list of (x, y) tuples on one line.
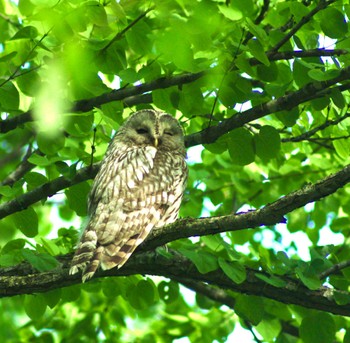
[(304, 20), (334, 269), (307, 135), (120, 34)]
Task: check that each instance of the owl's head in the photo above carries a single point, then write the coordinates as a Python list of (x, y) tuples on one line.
[(153, 128)]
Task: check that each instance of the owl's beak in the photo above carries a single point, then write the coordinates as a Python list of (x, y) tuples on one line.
[(156, 142)]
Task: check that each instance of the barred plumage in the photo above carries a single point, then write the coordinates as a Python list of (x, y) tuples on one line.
[(139, 187)]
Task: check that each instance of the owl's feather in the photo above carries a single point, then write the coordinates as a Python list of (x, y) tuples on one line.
[(138, 188)]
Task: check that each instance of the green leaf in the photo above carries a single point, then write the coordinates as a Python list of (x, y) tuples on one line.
[(269, 329), (267, 143), (240, 146), (9, 97), (257, 50), (35, 179), (77, 198), (41, 262), (26, 221), (231, 13), (320, 75), (308, 277), (95, 13), (49, 246), (11, 252), (267, 73), (288, 118), (52, 297), (168, 291), (141, 296), (333, 23), (111, 288), (338, 98), (41, 161), (318, 328), (204, 262), (34, 306), (341, 298), (50, 145), (26, 32), (182, 56), (272, 280), (234, 270), (8, 191), (71, 293), (7, 57), (347, 337), (250, 308)]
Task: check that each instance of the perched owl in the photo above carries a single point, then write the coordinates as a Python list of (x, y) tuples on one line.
[(138, 188)]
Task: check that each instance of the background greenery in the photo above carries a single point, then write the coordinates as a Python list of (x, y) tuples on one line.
[(261, 88)]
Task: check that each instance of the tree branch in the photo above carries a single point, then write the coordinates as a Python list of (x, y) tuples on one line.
[(120, 34), (307, 135), (286, 102), (304, 20), (21, 169), (120, 94), (46, 190), (173, 266), (23, 279), (135, 94)]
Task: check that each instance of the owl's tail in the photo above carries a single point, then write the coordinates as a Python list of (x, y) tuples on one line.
[(116, 254), (88, 255)]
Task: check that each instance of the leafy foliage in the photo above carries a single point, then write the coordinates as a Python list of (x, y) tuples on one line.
[(261, 88)]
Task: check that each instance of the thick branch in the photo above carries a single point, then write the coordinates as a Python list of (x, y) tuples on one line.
[(270, 214), (23, 279), (175, 267), (115, 95), (120, 94)]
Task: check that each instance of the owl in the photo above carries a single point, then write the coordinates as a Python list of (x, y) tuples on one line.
[(138, 188)]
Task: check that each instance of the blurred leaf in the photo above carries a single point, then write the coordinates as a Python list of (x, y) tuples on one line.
[(308, 277), (50, 145), (9, 97), (52, 297), (26, 32), (257, 50), (204, 262), (319, 327), (267, 143), (234, 270), (77, 198), (168, 291), (333, 23), (269, 328), (34, 306), (240, 146), (26, 221), (141, 296), (250, 308), (41, 262)]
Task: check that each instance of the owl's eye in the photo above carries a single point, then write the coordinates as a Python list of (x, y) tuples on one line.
[(168, 133), (142, 131)]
